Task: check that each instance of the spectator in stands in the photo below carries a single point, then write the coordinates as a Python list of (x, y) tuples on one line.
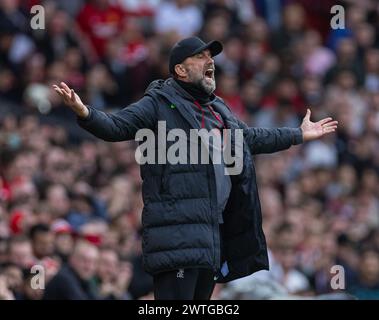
[(181, 16), (74, 281), (113, 276), (42, 241), (367, 283), (20, 252)]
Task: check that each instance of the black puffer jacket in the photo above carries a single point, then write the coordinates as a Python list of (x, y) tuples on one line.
[(180, 222)]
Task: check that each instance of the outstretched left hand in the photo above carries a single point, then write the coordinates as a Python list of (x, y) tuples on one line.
[(314, 130)]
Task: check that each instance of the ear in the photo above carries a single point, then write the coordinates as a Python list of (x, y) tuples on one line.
[(180, 70)]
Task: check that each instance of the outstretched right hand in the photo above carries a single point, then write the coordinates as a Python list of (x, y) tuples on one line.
[(72, 100)]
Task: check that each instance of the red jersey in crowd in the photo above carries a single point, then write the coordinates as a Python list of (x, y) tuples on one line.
[(100, 24)]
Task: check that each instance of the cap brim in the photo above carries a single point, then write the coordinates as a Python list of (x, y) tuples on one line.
[(215, 47)]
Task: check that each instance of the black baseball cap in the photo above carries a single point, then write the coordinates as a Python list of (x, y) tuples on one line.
[(190, 46)]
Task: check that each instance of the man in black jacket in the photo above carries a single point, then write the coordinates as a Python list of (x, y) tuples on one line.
[(200, 226), (74, 281)]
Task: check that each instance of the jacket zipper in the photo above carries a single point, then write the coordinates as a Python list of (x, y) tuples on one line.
[(214, 221)]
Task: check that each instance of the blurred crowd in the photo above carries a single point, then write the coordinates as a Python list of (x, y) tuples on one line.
[(72, 203)]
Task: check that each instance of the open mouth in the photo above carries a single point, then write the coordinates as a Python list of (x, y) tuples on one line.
[(209, 73)]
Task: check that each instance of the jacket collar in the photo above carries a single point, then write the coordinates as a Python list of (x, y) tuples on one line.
[(183, 101)]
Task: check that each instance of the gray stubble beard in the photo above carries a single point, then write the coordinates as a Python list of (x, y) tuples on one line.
[(202, 83), (209, 88)]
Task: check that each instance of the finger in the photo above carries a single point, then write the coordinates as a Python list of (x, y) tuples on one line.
[(66, 94), (73, 95), (308, 114), (329, 124), (331, 127), (65, 87), (59, 91), (329, 130), (325, 120), (63, 94)]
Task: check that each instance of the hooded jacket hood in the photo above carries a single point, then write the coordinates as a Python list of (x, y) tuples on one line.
[(171, 88)]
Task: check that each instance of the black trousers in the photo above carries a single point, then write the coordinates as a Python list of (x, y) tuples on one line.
[(184, 284)]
